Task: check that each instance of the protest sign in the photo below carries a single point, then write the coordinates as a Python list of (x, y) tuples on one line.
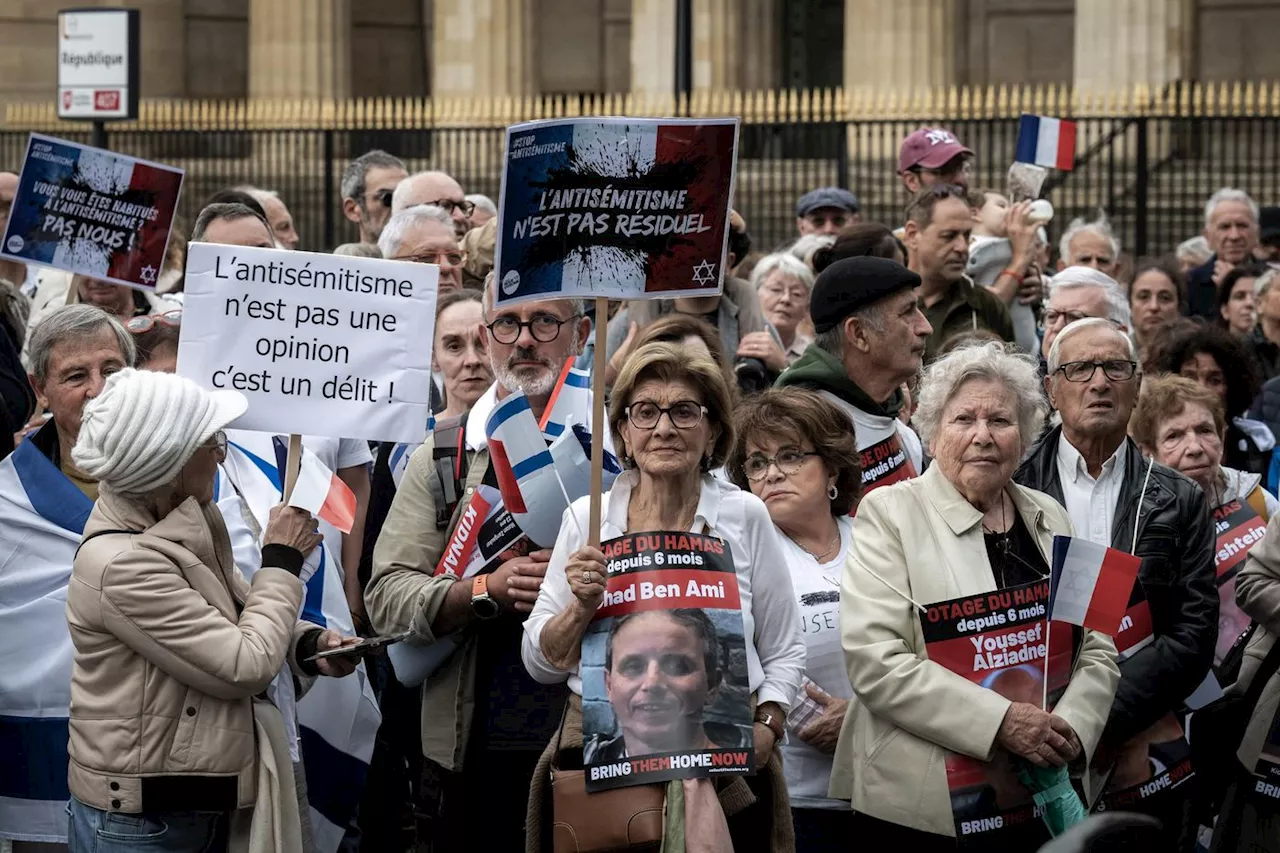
[(884, 463), (664, 673), (624, 208), (320, 344), (1238, 527), (92, 212), (1001, 641), (484, 533)]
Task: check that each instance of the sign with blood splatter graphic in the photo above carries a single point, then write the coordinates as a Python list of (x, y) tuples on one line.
[(623, 208), (92, 212)]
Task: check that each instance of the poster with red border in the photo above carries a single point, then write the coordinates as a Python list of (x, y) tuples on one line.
[(1002, 641)]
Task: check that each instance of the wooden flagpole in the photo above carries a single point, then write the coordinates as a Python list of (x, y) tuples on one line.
[(292, 463), (598, 424)]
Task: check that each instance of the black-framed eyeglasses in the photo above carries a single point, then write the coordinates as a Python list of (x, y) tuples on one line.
[(449, 204), (453, 259), (684, 414), (143, 324), (545, 328), (789, 461), (1116, 369)]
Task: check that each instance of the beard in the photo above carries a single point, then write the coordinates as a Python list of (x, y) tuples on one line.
[(533, 381)]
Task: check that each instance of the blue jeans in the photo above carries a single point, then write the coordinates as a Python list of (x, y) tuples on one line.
[(95, 831)]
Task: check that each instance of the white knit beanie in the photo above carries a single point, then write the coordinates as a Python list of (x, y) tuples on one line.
[(144, 426)]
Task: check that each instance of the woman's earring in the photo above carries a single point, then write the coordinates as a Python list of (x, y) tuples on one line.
[(832, 492)]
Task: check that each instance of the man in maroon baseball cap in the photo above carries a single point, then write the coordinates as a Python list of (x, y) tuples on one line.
[(931, 156)]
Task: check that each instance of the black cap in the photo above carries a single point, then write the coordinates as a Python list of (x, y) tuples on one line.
[(853, 283)]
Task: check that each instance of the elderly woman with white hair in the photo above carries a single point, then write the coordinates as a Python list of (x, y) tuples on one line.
[(172, 645), (783, 284), (961, 531)]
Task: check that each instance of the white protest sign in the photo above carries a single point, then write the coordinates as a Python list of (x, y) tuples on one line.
[(320, 344)]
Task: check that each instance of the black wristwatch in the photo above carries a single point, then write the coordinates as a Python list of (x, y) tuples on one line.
[(484, 605)]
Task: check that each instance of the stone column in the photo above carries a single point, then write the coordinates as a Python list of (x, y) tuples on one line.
[(299, 48), (757, 45), (480, 48), (653, 47), (162, 54), (717, 49), (903, 44), (1120, 43)]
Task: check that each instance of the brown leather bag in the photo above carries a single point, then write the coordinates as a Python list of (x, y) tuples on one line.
[(615, 820)]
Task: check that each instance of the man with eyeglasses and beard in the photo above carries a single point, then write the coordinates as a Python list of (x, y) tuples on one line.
[(368, 183), (438, 189), (1117, 498), (485, 722)]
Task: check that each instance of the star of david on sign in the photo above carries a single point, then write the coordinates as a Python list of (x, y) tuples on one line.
[(704, 273), (938, 137), (148, 274)]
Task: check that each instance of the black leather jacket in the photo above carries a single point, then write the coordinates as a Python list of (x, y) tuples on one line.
[(1176, 543)]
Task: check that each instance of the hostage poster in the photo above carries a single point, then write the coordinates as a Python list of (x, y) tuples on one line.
[(664, 665), (1000, 640), (1238, 527), (624, 208), (92, 212)]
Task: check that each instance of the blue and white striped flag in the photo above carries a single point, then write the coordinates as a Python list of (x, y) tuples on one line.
[(42, 516), (338, 718)]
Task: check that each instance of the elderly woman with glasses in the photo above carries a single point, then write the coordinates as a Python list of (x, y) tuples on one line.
[(796, 453), (783, 285), (171, 643), (962, 530), (670, 417)]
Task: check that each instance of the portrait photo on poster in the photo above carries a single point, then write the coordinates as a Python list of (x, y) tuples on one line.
[(664, 665)]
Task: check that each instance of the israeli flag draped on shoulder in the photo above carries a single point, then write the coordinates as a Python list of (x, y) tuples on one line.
[(338, 718), (42, 517)]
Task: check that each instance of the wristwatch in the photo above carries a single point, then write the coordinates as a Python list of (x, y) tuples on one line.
[(484, 605), (772, 721)]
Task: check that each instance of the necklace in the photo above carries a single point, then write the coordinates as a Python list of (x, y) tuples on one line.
[(823, 556)]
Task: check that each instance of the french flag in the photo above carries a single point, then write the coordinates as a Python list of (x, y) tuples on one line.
[(1047, 141), (318, 490), (1090, 584), (517, 450)]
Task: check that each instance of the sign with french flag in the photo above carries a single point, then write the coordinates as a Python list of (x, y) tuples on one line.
[(1091, 584), (1046, 141)]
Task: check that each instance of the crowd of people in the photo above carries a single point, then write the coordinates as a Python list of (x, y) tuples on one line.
[(873, 417)]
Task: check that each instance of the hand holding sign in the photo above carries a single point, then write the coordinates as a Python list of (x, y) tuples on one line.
[(586, 573)]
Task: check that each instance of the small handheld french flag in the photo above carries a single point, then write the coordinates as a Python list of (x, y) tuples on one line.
[(1047, 141), (517, 450), (570, 401), (1090, 584), (318, 490)]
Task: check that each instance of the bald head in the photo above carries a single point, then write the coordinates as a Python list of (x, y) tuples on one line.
[(437, 188)]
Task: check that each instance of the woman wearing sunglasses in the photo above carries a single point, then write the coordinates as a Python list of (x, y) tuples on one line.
[(796, 453), (156, 337)]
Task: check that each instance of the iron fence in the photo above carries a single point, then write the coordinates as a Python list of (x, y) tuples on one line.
[(1150, 173)]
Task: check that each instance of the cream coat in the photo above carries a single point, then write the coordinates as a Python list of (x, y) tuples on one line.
[(925, 540), (1258, 595), (165, 668)]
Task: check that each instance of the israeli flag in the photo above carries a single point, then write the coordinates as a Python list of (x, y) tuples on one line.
[(42, 517)]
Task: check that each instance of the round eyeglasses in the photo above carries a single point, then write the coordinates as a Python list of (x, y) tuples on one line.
[(545, 328), (143, 324)]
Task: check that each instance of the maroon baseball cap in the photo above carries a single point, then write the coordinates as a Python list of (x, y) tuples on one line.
[(929, 148)]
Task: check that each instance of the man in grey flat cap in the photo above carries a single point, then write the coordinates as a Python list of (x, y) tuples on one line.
[(826, 210)]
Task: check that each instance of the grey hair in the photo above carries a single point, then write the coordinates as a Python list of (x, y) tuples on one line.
[(74, 323), (1055, 351), (1017, 372), (832, 340), (357, 250), (785, 263), (483, 202), (1118, 310), (400, 223), (1099, 226), (353, 177), (577, 307), (1196, 249), (1228, 194), (229, 211), (1263, 284), (804, 247)]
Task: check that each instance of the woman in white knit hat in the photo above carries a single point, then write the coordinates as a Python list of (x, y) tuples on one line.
[(172, 645)]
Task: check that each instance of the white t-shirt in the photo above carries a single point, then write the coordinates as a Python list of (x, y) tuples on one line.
[(336, 454), (817, 586)]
